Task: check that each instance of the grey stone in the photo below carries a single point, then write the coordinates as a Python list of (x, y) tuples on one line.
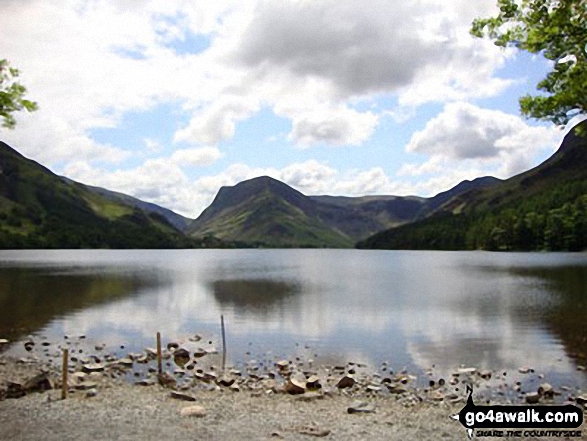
[(546, 390), (181, 396), (193, 411), (532, 397), (93, 367), (361, 407), (91, 393)]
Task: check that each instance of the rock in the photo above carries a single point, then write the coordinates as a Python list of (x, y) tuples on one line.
[(200, 353), (3, 341), (151, 352), (181, 396), (396, 389), (313, 382), (29, 345), (436, 396), (582, 400), (195, 338), (211, 350), (79, 376), (361, 407), (166, 380), (146, 382), (181, 356), (39, 382), (532, 398), (99, 347), (283, 364), (467, 370), (93, 367), (235, 387), (296, 384), (195, 411), (126, 362), (485, 374), (172, 345), (373, 389), (345, 382), (546, 390), (15, 389), (313, 431), (525, 370), (91, 393), (225, 381), (87, 385)]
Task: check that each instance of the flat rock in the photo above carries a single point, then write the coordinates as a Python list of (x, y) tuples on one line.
[(525, 370), (181, 356), (532, 398), (485, 374), (361, 407), (313, 382), (3, 341), (193, 411), (225, 381), (91, 393), (86, 385), (181, 396), (467, 370), (283, 364), (200, 353), (296, 384), (166, 380), (582, 400), (127, 361), (147, 382), (93, 367)]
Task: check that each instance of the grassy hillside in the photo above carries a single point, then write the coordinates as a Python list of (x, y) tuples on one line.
[(542, 209), (39, 209)]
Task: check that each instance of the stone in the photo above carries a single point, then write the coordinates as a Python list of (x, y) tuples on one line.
[(166, 380), (172, 345), (296, 384), (193, 411), (373, 388), (181, 356), (582, 400), (3, 341), (313, 431), (345, 382), (86, 385), (200, 353), (467, 370), (525, 370), (195, 338), (436, 396), (93, 367), (532, 397), (485, 374), (546, 390), (313, 382), (283, 364), (79, 376), (91, 393), (127, 361), (151, 352), (181, 396), (235, 387), (225, 381), (361, 407), (145, 382), (396, 389)]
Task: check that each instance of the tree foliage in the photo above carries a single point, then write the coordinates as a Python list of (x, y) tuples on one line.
[(556, 29), (12, 95)]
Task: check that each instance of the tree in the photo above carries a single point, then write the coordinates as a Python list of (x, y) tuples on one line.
[(558, 31), (12, 95)]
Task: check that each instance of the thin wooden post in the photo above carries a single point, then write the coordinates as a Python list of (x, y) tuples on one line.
[(64, 372), (159, 361), (223, 342)]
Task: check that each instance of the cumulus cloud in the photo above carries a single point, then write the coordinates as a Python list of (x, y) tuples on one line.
[(196, 156), (463, 131)]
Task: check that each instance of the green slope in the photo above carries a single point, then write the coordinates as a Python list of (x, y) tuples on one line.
[(266, 212), (39, 209), (542, 209)]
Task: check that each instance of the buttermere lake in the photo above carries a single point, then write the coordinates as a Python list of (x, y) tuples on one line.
[(412, 309)]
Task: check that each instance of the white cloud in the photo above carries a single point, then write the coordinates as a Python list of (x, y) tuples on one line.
[(196, 156), (466, 132)]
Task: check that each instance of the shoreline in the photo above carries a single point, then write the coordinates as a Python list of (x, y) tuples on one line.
[(293, 398)]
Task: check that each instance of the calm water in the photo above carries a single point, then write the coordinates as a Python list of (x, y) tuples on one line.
[(412, 309)]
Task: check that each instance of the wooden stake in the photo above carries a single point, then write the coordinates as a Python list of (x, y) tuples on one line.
[(64, 372), (223, 342), (159, 362)]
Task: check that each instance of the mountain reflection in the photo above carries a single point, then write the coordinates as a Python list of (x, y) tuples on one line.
[(256, 295), (30, 298)]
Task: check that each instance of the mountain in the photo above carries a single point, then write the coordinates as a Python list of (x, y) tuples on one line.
[(544, 208), (39, 209), (266, 212), (178, 221)]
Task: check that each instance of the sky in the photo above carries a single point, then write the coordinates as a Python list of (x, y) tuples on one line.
[(169, 101)]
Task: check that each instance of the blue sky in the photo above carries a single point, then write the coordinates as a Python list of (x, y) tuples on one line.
[(168, 101)]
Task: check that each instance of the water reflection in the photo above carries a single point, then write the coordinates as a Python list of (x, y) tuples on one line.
[(414, 309), (257, 295)]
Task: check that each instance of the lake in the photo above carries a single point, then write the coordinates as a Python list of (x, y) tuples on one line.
[(412, 309)]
